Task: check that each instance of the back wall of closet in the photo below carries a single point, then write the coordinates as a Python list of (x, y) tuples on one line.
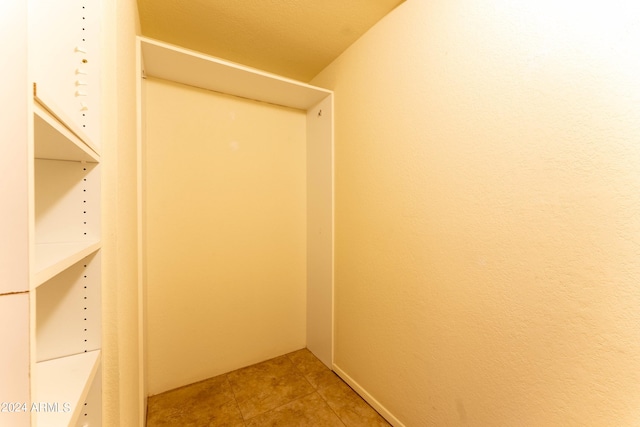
[(225, 183)]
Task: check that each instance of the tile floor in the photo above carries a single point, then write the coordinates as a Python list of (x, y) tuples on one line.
[(291, 390)]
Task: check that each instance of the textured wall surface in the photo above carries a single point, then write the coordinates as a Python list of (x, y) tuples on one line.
[(226, 224), (488, 213), (123, 390)]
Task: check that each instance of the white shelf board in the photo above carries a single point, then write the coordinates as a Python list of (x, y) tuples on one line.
[(57, 137), (52, 258), (180, 65), (65, 380)]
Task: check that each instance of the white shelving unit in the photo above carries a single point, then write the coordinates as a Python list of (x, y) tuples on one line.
[(58, 296), (173, 63), (50, 251), (66, 271)]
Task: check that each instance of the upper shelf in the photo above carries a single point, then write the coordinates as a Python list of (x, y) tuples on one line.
[(180, 65), (55, 137)]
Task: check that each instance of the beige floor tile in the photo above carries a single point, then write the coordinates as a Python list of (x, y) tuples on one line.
[(316, 372), (305, 361), (207, 403), (308, 411), (267, 385), (351, 408), (295, 390)]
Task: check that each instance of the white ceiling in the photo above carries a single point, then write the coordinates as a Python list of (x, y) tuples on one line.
[(292, 38)]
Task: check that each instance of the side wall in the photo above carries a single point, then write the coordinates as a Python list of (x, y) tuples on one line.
[(487, 222), (225, 194), (14, 213), (123, 388), (14, 191)]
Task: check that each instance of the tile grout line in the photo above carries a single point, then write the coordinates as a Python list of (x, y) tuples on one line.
[(235, 399), (290, 401), (330, 408), (299, 371), (318, 388), (305, 377), (284, 404), (304, 368)]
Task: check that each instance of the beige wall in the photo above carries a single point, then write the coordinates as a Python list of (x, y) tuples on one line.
[(14, 214), (225, 184), (123, 388), (14, 191), (487, 223)]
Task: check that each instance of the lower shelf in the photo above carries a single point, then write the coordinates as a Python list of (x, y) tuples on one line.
[(62, 386)]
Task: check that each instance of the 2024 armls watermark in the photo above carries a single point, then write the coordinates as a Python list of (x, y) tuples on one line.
[(15, 407)]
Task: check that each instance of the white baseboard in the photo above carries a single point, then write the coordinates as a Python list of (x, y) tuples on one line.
[(368, 398)]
